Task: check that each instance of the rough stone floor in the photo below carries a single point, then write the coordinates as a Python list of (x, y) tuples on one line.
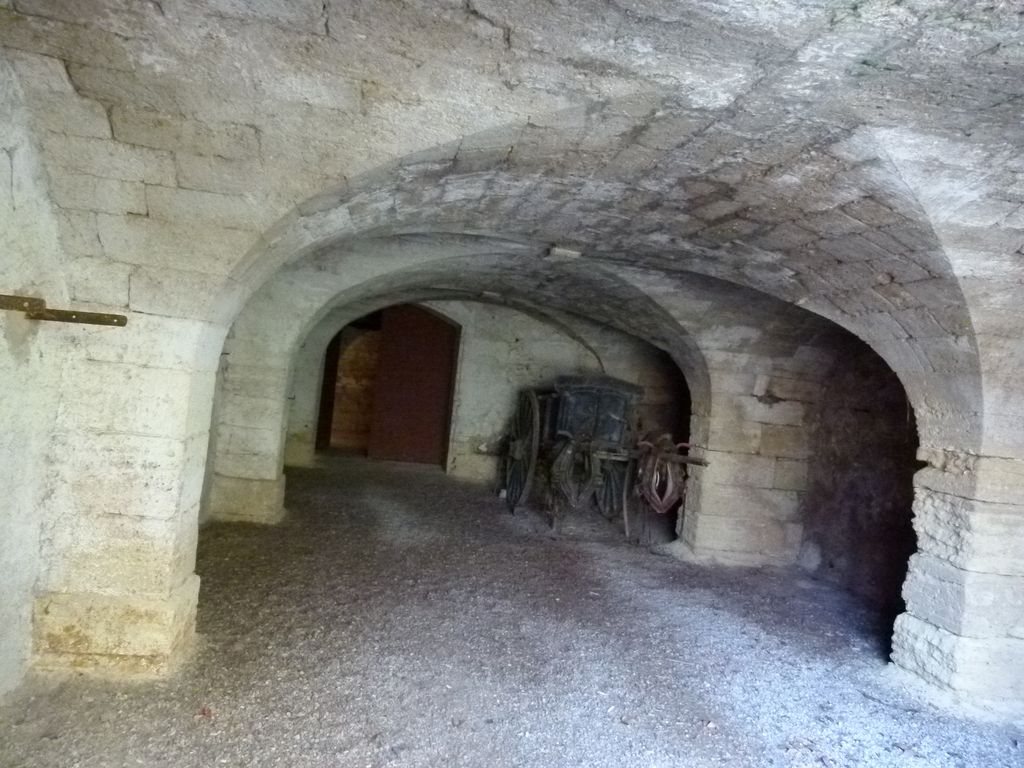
[(399, 618)]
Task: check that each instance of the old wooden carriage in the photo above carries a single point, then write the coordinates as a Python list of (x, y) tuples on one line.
[(579, 438)]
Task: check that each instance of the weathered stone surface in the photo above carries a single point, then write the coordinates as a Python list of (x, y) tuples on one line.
[(70, 114), (105, 284), (148, 128), (93, 193), (966, 603), (242, 499), (138, 636), (185, 205), (715, 166), (108, 159), (730, 541), (988, 669), (970, 534)]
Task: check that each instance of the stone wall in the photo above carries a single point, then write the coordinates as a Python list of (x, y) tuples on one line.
[(751, 494), (30, 370), (502, 351)]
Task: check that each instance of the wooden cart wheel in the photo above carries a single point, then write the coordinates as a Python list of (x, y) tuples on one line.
[(523, 447)]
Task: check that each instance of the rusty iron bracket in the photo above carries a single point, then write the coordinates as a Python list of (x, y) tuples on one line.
[(36, 309)]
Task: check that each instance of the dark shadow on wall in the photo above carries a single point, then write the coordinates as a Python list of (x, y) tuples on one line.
[(858, 521), (666, 404)]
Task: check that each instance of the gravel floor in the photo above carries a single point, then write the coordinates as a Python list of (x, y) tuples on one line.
[(401, 619)]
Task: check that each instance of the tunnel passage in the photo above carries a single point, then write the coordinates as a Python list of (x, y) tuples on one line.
[(502, 351), (664, 409), (757, 367), (858, 520)]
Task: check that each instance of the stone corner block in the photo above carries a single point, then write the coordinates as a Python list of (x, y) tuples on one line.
[(987, 672), (246, 500), (129, 635)]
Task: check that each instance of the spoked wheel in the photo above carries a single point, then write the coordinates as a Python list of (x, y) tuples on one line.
[(523, 446)]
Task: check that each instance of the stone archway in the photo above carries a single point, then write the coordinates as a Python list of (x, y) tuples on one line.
[(250, 474), (859, 530)]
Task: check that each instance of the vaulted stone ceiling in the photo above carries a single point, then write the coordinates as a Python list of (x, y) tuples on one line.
[(861, 159), (721, 117), (182, 160)]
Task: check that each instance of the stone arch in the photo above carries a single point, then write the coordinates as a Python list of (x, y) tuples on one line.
[(769, 231), (308, 361), (647, 181), (833, 228), (268, 331)]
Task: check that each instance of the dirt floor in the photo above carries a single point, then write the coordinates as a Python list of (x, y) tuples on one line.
[(398, 618)]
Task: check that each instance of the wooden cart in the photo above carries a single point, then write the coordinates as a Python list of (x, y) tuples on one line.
[(580, 437)]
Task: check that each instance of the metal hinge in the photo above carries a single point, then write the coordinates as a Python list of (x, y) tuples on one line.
[(36, 309)]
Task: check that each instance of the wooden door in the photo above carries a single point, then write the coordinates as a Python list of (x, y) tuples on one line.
[(415, 381)]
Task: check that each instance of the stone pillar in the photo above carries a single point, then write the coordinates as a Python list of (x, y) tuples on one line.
[(254, 402), (964, 625), (247, 483), (124, 476), (744, 508), (307, 381)]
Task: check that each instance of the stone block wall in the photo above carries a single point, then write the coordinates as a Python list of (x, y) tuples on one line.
[(751, 496), (29, 265), (126, 461), (964, 625), (176, 189), (502, 351)]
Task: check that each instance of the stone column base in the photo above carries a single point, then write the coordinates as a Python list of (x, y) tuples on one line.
[(120, 635), (300, 451), (244, 500), (719, 540), (987, 671)]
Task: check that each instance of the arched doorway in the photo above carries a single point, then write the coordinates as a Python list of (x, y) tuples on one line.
[(388, 384)]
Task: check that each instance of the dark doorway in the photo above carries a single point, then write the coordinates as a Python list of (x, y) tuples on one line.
[(664, 409), (346, 396), (388, 386), (858, 521)]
